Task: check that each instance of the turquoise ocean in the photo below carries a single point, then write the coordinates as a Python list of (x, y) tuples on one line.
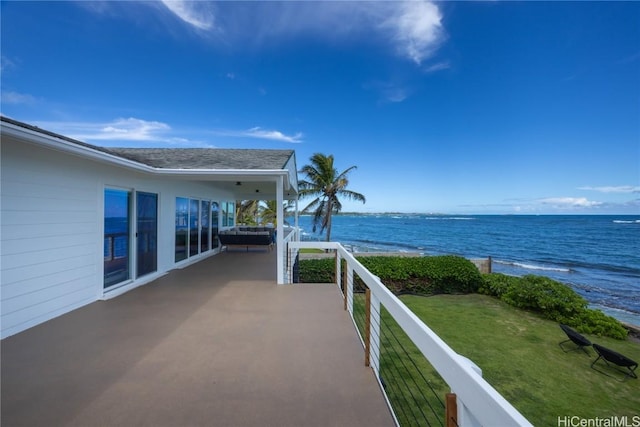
[(597, 255)]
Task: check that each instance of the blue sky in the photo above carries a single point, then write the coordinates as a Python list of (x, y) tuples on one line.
[(451, 107)]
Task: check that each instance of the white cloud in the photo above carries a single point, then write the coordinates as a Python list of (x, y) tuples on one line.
[(555, 205), (275, 135), (416, 28), (395, 95), (629, 59), (131, 130), (9, 97), (258, 132), (198, 14), (388, 91), (6, 63), (438, 67), (569, 202), (413, 28), (613, 189)]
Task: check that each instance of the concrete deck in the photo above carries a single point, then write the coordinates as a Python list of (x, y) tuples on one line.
[(215, 344)]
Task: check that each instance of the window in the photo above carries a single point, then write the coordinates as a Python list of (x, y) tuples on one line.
[(194, 219), (195, 231), (214, 224), (205, 227), (182, 228), (146, 233), (228, 214), (117, 251)]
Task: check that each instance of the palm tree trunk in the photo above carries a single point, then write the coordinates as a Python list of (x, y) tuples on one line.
[(329, 217)]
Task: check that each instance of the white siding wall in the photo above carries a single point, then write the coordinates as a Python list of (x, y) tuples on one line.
[(52, 225)]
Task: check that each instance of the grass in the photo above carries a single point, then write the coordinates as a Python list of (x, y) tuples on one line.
[(413, 386), (519, 355), (311, 251)]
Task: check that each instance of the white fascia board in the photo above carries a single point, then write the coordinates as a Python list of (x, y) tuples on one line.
[(48, 141), (222, 172), (51, 142), (268, 174)]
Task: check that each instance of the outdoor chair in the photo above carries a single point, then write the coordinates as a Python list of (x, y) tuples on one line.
[(576, 338), (622, 363)]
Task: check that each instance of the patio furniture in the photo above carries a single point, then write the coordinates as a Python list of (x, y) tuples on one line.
[(622, 363), (580, 341), (248, 237)]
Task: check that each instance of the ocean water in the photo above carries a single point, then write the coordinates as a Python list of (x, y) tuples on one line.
[(597, 255)]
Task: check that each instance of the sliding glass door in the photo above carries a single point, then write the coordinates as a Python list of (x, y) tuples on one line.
[(118, 229), (196, 227), (117, 226), (194, 220), (204, 226), (146, 233), (214, 225), (182, 228)]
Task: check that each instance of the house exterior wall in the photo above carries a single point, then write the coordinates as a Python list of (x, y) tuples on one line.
[(52, 229)]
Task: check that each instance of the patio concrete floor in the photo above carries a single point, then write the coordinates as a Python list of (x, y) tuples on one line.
[(215, 344)]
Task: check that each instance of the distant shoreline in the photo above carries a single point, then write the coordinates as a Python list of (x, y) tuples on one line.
[(480, 214)]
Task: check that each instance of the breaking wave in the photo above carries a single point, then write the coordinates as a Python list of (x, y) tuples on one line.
[(533, 266)]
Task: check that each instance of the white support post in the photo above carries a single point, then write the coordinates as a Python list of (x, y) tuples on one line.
[(295, 220), (338, 271), (280, 247), (374, 338)]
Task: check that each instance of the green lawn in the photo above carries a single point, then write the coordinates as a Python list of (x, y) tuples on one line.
[(519, 355), (311, 251)]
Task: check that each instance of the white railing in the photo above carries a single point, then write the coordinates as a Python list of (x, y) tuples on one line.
[(478, 403), (291, 234)]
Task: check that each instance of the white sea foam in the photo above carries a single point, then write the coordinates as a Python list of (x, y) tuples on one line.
[(533, 266), (449, 218), (621, 221)]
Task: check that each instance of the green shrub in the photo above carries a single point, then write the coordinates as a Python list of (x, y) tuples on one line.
[(596, 322), (537, 293), (554, 300), (318, 270), (452, 274), (421, 275), (497, 284)]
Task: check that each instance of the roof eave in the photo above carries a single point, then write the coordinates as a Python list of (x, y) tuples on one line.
[(32, 136), (59, 144)]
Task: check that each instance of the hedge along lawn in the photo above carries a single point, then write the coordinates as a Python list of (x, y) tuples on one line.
[(519, 355)]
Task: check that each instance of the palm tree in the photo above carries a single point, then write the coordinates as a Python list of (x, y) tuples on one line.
[(269, 212), (325, 184), (247, 211)]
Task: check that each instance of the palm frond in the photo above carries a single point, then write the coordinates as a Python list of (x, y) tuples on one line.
[(323, 182)]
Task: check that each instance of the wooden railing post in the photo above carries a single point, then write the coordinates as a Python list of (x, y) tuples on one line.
[(451, 410), (367, 327)]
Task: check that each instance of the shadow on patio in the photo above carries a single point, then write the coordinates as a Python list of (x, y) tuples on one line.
[(217, 343)]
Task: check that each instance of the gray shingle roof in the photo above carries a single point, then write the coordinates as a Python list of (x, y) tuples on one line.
[(206, 158), (185, 158)]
